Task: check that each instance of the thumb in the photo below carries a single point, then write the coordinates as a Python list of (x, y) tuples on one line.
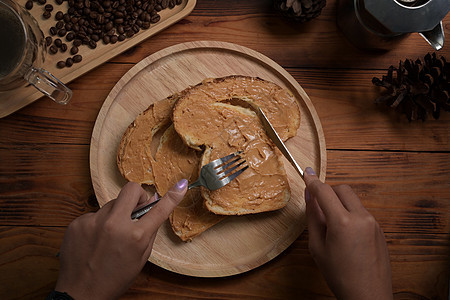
[(161, 211)]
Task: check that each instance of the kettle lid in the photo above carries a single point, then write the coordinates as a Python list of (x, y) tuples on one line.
[(398, 17)]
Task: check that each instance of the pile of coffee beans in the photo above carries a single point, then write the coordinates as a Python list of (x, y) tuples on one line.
[(87, 22)]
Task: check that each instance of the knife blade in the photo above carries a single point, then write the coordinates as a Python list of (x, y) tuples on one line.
[(273, 135)]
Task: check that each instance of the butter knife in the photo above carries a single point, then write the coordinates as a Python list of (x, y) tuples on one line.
[(273, 135)]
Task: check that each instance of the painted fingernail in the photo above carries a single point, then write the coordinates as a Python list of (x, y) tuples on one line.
[(181, 185), (310, 171), (307, 196)]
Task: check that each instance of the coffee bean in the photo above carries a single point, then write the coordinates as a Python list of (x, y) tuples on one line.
[(29, 5), (48, 41), (59, 2), (48, 7), (59, 24), (74, 50), (70, 36), (42, 2), (95, 38), (53, 30), (68, 26), (92, 44), (58, 43), (53, 49), (100, 19), (155, 19), (114, 39), (122, 37), (59, 15), (61, 64), (109, 26), (77, 43), (47, 14), (69, 62), (63, 48), (106, 39), (62, 32), (77, 58)]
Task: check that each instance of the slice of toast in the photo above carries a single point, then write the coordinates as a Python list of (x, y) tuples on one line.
[(134, 156), (173, 162), (204, 117), (279, 105), (264, 185)]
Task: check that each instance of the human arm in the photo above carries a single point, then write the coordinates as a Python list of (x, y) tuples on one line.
[(346, 242), (103, 252)]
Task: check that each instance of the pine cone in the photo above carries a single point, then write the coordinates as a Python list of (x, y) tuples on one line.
[(420, 88), (300, 10)]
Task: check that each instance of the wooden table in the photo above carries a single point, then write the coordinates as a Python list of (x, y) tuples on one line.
[(400, 169)]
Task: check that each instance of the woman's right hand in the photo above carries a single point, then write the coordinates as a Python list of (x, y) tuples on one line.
[(346, 242)]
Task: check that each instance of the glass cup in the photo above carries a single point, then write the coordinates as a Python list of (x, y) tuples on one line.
[(22, 54)]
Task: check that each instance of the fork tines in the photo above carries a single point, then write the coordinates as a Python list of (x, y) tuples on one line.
[(229, 166)]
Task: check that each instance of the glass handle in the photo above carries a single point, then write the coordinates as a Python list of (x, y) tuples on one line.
[(49, 85)]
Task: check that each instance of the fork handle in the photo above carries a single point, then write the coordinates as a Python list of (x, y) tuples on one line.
[(194, 184)]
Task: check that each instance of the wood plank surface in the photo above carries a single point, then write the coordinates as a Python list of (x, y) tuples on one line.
[(350, 94), (419, 267), (406, 192), (400, 169)]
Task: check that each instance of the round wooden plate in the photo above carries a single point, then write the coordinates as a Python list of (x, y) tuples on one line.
[(239, 243)]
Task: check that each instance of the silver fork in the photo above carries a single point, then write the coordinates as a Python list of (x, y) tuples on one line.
[(213, 176)]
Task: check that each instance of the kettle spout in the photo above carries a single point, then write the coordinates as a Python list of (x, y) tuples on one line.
[(435, 37)]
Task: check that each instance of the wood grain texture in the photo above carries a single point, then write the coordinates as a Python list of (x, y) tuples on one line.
[(399, 169), (29, 268), (342, 99), (238, 244)]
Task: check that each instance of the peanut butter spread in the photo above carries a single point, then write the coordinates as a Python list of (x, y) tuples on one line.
[(279, 105), (203, 118), (134, 157), (264, 185), (173, 162)]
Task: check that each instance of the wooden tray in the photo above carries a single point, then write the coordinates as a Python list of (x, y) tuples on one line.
[(237, 244), (14, 100)]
